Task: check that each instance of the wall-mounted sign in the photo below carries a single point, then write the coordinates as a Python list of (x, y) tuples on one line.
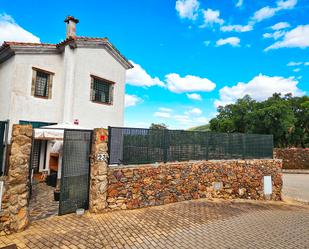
[(267, 185), (1, 192), (102, 157)]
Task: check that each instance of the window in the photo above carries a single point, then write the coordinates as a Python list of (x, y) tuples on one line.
[(41, 83), (101, 90)]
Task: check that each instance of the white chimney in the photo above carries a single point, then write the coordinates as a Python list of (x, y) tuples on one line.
[(71, 26)]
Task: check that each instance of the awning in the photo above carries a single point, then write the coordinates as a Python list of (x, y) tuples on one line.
[(55, 132)]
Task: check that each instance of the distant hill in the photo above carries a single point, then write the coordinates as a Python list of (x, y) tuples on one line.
[(200, 128)]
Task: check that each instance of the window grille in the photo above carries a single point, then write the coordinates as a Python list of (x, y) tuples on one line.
[(41, 84), (101, 91)]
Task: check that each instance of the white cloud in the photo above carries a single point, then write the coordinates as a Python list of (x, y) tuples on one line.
[(239, 3), (259, 88), (189, 83), (195, 111), (189, 118), (293, 63), (267, 12), (11, 31), (306, 63), (132, 100), (211, 17), (233, 41), (162, 114), (264, 13), (296, 70), (187, 8), (138, 76), (297, 37), (237, 28), (288, 4), (164, 109), (275, 35), (280, 25), (207, 43), (194, 96)]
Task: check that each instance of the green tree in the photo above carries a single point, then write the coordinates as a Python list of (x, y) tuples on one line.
[(285, 117), (158, 126)]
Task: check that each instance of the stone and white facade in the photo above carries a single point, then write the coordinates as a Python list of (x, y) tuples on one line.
[(71, 64)]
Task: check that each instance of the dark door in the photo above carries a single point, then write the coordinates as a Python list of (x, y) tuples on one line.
[(3, 130), (74, 189)]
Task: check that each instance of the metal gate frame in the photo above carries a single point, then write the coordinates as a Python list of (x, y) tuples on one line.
[(3, 145), (75, 179)]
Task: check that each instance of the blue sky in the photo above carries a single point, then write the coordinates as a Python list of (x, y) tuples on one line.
[(190, 55)]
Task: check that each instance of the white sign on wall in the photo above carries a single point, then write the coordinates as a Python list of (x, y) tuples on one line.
[(267, 185)]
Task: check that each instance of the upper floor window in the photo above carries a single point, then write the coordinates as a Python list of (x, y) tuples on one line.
[(41, 83), (101, 90)]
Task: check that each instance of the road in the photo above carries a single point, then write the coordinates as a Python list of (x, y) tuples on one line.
[(296, 187)]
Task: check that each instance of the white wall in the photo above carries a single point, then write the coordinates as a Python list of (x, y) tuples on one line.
[(16, 102), (30, 108), (6, 76), (100, 63)]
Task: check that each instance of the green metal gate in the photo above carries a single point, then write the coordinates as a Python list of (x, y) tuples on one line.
[(75, 172), (3, 135)]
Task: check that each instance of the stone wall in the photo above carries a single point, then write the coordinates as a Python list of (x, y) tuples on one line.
[(293, 158), (98, 171), (14, 215), (148, 185)]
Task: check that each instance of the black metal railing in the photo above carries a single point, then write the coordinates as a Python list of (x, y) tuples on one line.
[(138, 146)]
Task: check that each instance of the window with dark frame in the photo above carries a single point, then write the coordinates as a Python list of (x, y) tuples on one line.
[(41, 83), (101, 90)]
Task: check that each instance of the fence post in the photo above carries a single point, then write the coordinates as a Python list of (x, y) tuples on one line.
[(244, 146), (165, 145), (109, 134)]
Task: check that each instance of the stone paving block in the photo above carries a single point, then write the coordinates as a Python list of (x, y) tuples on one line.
[(190, 224)]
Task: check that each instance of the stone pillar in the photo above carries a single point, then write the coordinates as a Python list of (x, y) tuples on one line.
[(98, 171), (15, 214)]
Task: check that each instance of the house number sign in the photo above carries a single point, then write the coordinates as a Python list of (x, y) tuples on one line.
[(102, 157)]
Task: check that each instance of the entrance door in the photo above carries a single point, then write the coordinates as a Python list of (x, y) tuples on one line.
[(3, 131), (74, 189)]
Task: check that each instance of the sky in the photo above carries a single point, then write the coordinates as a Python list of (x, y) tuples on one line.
[(189, 56)]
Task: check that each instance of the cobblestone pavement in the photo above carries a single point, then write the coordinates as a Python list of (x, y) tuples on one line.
[(189, 224), (296, 186), (42, 204)]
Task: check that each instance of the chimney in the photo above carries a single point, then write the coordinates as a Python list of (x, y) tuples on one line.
[(71, 26)]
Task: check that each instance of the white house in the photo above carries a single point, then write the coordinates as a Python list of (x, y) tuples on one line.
[(80, 78)]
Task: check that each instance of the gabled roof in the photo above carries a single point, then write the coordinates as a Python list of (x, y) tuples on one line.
[(8, 49)]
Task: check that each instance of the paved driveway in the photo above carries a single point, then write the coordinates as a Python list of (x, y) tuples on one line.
[(296, 186), (190, 224)]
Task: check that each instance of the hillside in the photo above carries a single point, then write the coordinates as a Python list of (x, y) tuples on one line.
[(200, 128)]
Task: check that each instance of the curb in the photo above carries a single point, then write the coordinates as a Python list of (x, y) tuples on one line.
[(287, 199), (295, 171)]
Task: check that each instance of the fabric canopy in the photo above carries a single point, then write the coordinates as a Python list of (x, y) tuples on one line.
[(55, 132)]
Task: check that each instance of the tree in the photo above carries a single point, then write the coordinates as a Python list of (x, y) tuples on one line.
[(285, 117), (158, 126)]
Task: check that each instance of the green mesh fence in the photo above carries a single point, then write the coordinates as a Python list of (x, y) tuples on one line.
[(138, 146)]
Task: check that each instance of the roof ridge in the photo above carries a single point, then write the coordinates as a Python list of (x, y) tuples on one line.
[(9, 43)]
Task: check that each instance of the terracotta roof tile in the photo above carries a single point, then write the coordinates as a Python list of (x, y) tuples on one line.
[(7, 44)]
